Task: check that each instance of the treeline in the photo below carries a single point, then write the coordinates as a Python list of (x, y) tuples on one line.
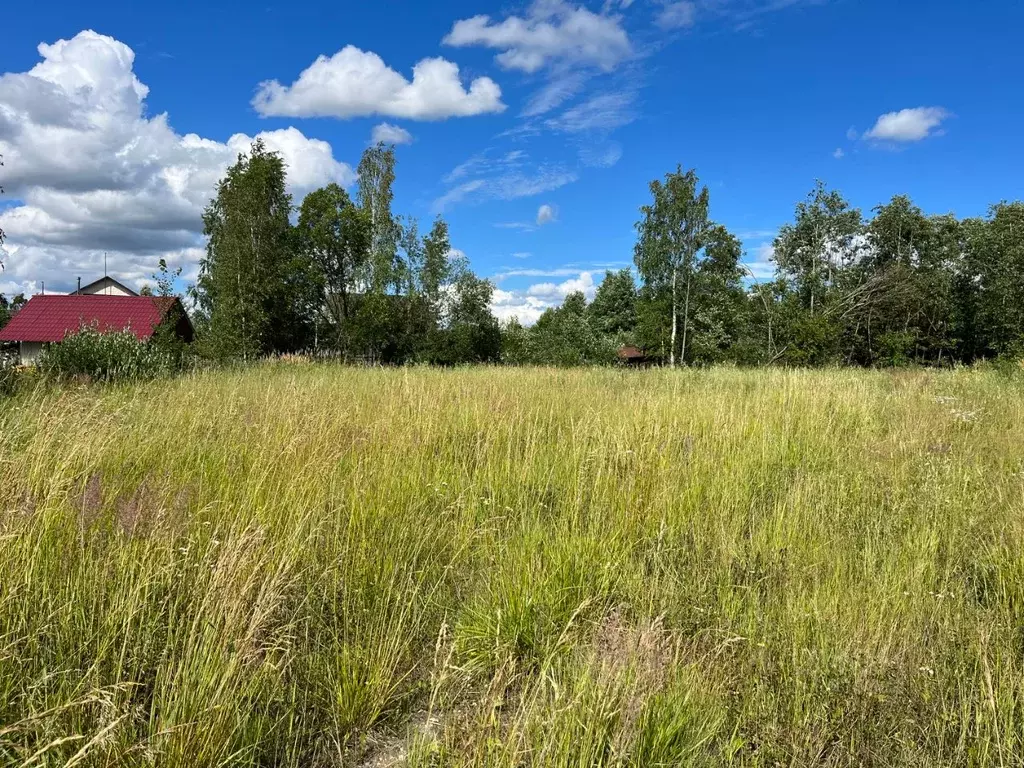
[(347, 277), (898, 288), (338, 276)]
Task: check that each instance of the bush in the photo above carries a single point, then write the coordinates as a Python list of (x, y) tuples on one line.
[(118, 356)]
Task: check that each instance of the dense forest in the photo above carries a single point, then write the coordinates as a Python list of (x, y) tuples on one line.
[(346, 277)]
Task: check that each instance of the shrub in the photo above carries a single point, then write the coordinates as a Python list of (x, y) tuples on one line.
[(117, 356)]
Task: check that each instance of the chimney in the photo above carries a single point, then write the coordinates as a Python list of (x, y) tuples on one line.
[(44, 288), (79, 291)]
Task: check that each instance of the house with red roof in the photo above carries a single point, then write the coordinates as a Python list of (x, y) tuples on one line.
[(105, 305)]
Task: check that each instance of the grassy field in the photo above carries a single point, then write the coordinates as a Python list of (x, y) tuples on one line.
[(307, 565)]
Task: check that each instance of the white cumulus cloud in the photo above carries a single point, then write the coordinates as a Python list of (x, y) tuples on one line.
[(90, 174), (357, 83), (908, 124), (552, 31), (528, 305), (389, 134), (545, 215)]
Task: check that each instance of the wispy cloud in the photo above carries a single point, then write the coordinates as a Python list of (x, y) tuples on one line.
[(502, 177), (457, 194), (537, 272), (603, 112), (559, 89), (600, 156), (756, 234), (677, 15)]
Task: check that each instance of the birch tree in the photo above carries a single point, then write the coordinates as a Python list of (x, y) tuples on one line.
[(671, 234), (815, 249)]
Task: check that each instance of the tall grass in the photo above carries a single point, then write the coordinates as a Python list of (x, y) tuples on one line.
[(309, 565)]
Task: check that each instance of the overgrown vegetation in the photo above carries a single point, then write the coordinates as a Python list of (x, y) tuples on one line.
[(305, 565), (92, 355)]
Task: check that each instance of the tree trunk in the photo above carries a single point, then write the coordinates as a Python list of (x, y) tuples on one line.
[(686, 317), (672, 345)]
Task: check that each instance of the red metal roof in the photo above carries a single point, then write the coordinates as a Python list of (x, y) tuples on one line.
[(51, 318)]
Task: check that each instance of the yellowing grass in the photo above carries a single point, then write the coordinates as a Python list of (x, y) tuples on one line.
[(302, 565)]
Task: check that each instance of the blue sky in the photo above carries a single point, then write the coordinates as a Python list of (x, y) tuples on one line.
[(549, 112)]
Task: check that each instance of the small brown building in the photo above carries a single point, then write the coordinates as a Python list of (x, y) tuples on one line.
[(633, 356)]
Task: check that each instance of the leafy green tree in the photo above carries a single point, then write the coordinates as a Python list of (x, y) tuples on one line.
[(375, 194), (9, 307), (993, 288), (613, 310), (471, 333), (515, 343), (671, 236), (335, 236), (436, 268), (432, 272), (901, 307), (382, 319), (818, 246), (563, 336), (718, 301), (247, 285)]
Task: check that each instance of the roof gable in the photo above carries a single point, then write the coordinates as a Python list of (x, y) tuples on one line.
[(102, 286), (51, 318)]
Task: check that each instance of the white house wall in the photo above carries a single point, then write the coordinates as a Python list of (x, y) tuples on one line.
[(105, 288), (29, 351)]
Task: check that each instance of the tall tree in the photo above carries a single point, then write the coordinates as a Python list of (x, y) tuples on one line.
[(434, 272), (335, 235), (245, 287), (436, 268), (818, 245), (375, 194), (995, 269), (671, 234), (718, 302), (473, 334), (903, 289), (613, 310)]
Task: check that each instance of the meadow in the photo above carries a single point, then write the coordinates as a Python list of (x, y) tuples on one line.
[(308, 565)]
